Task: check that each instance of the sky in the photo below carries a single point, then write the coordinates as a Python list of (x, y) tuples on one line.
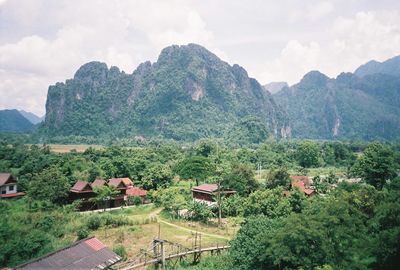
[(44, 41)]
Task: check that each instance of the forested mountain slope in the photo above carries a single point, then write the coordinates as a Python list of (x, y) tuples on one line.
[(13, 121), (189, 93), (349, 106)]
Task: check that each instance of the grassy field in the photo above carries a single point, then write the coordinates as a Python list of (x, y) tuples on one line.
[(148, 224), (66, 148)]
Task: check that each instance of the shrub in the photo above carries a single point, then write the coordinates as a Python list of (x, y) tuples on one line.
[(82, 233), (121, 251), (94, 222)]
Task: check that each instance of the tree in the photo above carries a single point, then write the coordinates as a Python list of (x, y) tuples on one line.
[(199, 211), (173, 199), (270, 203), (308, 154), (376, 165), (49, 185), (278, 178), (241, 179), (157, 176), (103, 195), (196, 167)]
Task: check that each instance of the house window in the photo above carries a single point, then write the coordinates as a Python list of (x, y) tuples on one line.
[(11, 188), (3, 191)]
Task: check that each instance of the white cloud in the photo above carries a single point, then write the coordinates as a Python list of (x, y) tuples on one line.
[(312, 11), (356, 40), (120, 33)]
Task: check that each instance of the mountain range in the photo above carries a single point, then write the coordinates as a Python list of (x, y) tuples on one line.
[(189, 93), (13, 121)]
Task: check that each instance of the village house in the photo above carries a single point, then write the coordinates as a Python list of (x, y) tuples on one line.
[(84, 191), (302, 183), (208, 193), (8, 186)]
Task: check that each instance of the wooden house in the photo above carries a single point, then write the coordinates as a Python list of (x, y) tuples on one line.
[(207, 193), (8, 186)]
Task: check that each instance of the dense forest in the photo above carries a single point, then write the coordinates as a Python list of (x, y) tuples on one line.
[(347, 225)]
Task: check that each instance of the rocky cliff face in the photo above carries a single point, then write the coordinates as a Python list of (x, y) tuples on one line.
[(346, 107), (189, 93)]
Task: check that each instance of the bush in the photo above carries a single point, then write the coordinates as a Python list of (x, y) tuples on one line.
[(121, 251), (93, 222), (82, 233)]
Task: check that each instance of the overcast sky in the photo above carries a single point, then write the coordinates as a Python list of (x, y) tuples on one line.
[(45, 41)]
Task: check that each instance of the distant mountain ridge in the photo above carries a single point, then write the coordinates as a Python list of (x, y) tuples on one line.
[(389, 67), (13, 121), (33, 118), (348, 107), (189, 93), (274, 87)]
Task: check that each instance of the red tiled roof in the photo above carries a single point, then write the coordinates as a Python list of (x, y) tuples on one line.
[(11, 195), (135, 191), (99, 183), (81, 186), (95, 244), (302, 182), (301, 178), (116, 182), (5, 178)]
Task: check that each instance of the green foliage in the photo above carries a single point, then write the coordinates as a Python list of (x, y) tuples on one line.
[(240, 179), (157, 176), (82, 233), (51, 184), (376, 165), (278, 178), (195, 167), (198, 211), (104, 194), (173, 199), (308, 154), (121, 251), (270, 203)]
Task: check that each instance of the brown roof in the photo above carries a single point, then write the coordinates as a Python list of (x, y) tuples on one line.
[(88, 253), (211, 188), (127, 181), (99, 183), (135, 191), (81, 186), (117, 182), (6, 178)]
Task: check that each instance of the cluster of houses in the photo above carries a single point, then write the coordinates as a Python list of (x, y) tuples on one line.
[(208, 193), (85, 192)]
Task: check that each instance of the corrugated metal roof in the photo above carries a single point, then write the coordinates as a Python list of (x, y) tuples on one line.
[(88, 253)]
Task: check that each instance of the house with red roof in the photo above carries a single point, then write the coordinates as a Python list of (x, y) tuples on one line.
[(207, 193), (99, 183), (8, 186), (302, 183)]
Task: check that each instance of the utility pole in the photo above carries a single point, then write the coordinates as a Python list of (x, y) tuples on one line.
[(219, 202)]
